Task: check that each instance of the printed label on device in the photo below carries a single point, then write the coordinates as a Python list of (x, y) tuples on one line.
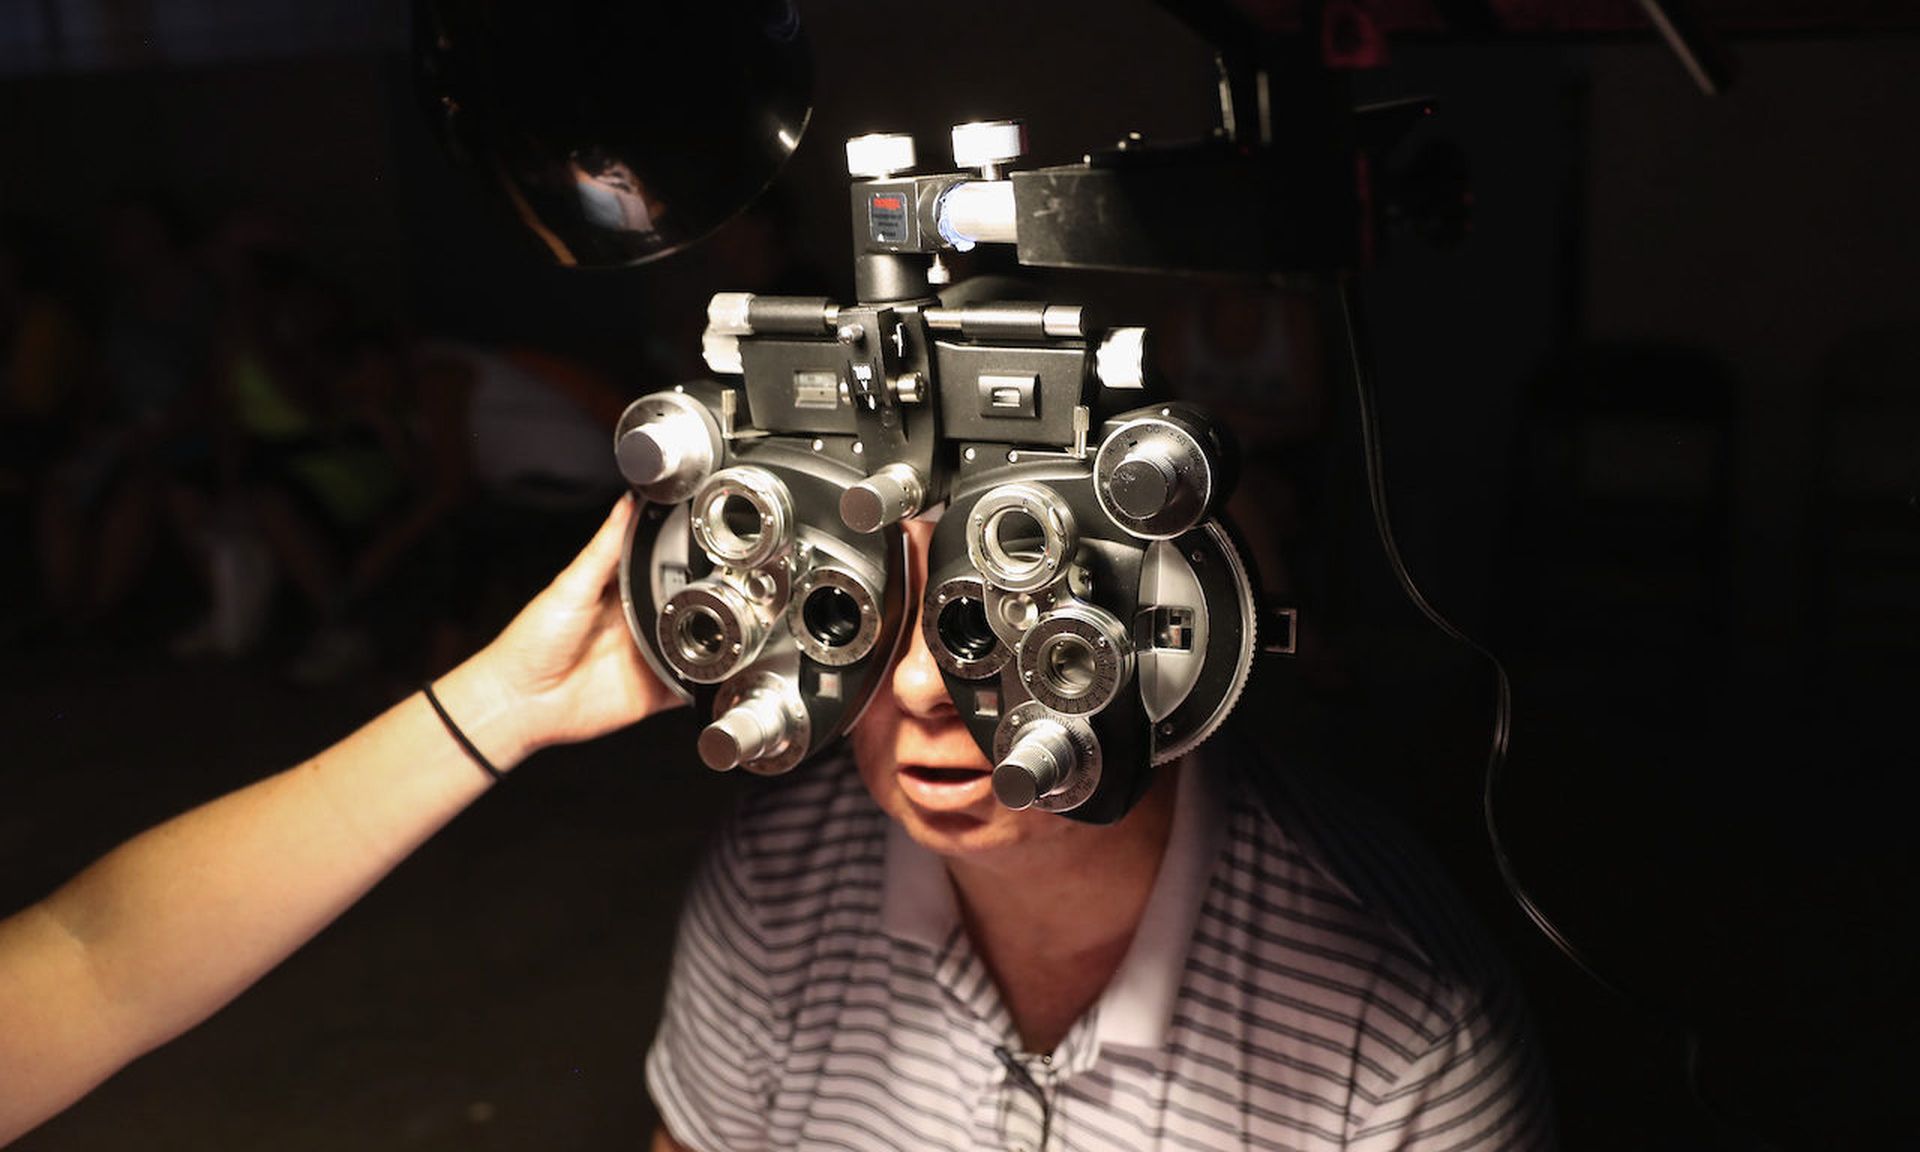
[(888, 213)]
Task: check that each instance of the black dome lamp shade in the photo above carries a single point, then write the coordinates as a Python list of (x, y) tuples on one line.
[(618, 130)]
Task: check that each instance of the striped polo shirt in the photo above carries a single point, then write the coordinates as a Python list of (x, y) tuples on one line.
[(1293, 984)]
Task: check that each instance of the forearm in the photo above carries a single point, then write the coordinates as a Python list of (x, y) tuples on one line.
[(167, 928)]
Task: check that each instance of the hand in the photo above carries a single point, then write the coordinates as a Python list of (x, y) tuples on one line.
[(566, 668)]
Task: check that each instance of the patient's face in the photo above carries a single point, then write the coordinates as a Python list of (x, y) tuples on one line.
[(919, 761)]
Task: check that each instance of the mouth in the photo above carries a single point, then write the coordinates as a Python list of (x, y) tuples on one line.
[(945, 789)]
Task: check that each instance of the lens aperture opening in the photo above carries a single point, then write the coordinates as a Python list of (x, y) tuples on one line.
[(743, 517), (1070, 665), (1016, 540), (963, 629), (735, 524), (1021, 537), (831, 616), (701, 634), (836, 618)]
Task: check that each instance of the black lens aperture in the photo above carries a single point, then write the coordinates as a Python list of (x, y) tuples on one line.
[(963, 628), (832, 616)]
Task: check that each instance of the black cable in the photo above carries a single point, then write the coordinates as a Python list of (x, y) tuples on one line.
[(1353, 322)]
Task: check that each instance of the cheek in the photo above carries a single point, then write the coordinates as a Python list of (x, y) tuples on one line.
[(874, 736)]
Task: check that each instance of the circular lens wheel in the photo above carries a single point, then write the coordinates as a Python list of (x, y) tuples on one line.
[(707, 631), (743, 517), (838, 619), (1076, 786), (1021, 536), (954, 623), (1076, 659)]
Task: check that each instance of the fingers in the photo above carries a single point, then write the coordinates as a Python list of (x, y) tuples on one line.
[(582, 581)]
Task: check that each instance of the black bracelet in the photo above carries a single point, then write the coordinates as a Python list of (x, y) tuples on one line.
[(460, 737)]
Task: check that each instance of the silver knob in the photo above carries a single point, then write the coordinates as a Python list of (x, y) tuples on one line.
[(886, 497), (709, 630), (648, 454), (1144, 483), (665, 445), (989, 145), (752, 729), (1039, 762), (1121, 361), (879, 155)]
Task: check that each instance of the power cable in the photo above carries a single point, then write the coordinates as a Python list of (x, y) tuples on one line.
[(1353, 322)]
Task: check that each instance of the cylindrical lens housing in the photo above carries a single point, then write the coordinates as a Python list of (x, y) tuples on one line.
[(665, 445), (954, 624), (1021, 536), (836, 616), (1076, 659), (1040, 761), (708, 631), (760, 723), (1157, 476), (743, 517), (753, 729)]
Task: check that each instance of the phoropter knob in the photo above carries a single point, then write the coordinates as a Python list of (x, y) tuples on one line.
[(752, 729), (665, 445), (878, 155), (1157, 471), (1040, 761), (648, 454), (888, 496), (989, 145), (1144, 482)]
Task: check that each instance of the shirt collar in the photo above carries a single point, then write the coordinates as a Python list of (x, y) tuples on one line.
[(918, 906), (1136, 1010)]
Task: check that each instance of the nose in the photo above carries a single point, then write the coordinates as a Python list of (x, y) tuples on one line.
[(917, 686)]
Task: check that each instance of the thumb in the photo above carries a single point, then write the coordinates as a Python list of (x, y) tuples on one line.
[(583, 580)]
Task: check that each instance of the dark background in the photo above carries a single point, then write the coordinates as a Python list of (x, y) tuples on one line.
[(1652, 429)]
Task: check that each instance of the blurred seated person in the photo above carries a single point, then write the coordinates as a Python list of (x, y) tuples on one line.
[(527, 438), (317, 460), (371, 461), (44, 361), (43, 353), (166, 929), (142, 420)]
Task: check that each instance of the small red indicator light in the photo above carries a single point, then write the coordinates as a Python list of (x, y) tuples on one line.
[(888, 203)]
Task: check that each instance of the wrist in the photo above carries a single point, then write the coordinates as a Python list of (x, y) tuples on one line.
[(487, 711)]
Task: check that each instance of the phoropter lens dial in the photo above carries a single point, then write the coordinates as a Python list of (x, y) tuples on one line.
[(1021, 537), (1044, 760), (760, 724), (1076, 659), (958, 634), (743, 517), (709, 630), (665, 445), (837, 618)]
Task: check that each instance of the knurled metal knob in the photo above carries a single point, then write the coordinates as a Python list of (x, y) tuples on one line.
[(886, 497), (751, 729), (1039, 762), (988, 144), (648, 453), (878, 155), (1144, 483)]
